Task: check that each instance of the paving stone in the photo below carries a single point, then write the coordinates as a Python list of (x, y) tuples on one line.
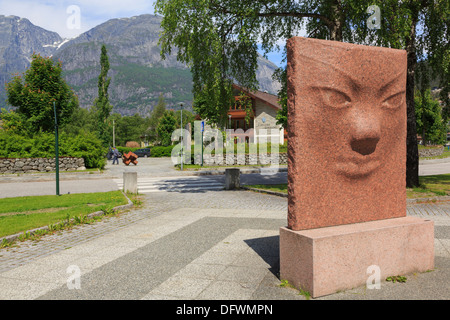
[(193, 237)]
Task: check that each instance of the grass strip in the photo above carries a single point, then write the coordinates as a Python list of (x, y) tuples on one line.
[(25, 213)]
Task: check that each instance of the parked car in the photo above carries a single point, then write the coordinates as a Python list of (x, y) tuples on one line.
[(142, 153)]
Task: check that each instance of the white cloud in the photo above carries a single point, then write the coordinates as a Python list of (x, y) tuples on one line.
[(53, 15)]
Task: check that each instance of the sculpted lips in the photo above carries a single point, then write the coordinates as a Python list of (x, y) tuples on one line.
[(363, 159), (354, 167)]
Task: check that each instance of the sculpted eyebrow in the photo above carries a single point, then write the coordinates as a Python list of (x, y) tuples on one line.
[(394, 81), (352, 84)]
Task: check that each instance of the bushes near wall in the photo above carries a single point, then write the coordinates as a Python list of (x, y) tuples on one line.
[(161, 151), (42, 145)]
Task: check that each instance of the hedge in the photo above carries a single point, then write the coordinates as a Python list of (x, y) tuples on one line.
[(124, 150), (159, 151), (42, 145)]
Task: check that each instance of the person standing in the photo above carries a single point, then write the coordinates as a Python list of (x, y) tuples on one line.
[(116, 156)]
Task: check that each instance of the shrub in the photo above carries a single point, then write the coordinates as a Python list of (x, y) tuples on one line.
[(132, 144), (161, 151), (166, 126), (86, 146), (42, 145), (124, 150)]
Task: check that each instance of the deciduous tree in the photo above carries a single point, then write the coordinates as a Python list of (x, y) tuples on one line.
[(166, 126), (430, 124), (219, 40), (34, 93)]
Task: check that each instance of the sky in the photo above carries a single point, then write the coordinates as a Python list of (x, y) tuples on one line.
[(69, 18)]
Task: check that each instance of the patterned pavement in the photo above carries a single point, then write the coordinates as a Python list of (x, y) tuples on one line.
[(179, 245)]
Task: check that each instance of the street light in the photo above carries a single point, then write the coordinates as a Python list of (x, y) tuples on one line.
[(114, 134), (181, 156), (56, 150)]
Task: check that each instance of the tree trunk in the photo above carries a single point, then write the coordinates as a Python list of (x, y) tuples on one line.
[(338, 18), (412, 152)]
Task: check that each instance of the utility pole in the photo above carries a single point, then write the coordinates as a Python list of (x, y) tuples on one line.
[(203, 129), (114, 134), (182, 133), (56, 151)]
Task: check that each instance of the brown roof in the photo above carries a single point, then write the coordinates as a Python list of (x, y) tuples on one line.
[(269, 99)]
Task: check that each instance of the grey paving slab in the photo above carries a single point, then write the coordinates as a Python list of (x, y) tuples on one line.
[(190, 246), (152, 264)]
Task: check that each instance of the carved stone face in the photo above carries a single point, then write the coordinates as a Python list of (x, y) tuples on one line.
[(355, 114), (347, 131)]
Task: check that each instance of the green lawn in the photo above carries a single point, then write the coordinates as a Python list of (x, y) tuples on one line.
[(25, 213), (431, 186), (271, 187)]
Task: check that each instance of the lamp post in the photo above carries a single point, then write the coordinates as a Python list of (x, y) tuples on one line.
[(56, 151), (182, 133), (229, 127), (114, 134), (203, 129)]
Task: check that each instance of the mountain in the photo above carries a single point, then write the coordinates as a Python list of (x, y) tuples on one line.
[(138, 74), (19, 38)]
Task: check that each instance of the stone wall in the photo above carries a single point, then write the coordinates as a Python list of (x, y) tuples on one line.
[(431, 152), (34, 165), (250, 159)]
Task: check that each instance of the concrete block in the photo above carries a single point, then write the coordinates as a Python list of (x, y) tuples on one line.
[(232, 179), (130, 182)]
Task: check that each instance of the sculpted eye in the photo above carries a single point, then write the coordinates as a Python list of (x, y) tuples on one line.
[(394, 101), (334, 98)]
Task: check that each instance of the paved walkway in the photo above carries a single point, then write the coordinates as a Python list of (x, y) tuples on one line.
[(219, 245), (153, 173)]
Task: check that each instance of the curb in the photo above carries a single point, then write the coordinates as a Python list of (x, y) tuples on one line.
[(242, 171), (14, 237), (280, 194), (432, 199)]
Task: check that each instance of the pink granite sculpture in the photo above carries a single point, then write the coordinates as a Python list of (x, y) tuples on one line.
[(346, 169), (347, 133)]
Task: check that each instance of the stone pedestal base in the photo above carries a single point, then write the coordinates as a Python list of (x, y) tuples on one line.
[(323, 261), (130, 182), (232, 179)]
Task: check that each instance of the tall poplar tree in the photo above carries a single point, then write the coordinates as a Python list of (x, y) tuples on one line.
[(101, 104)]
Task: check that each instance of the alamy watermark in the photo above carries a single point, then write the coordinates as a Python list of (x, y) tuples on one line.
[(374, 21), (74, 280), (74, 19), (374, 279), (215, 147)]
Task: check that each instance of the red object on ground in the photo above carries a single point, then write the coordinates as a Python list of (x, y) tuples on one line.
[(130, 157)]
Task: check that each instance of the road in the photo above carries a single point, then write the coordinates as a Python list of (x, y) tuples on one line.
[(154, 175), (431, 167)]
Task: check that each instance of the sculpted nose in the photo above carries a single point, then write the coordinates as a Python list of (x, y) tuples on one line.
[(364, 146), (366, 133)]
